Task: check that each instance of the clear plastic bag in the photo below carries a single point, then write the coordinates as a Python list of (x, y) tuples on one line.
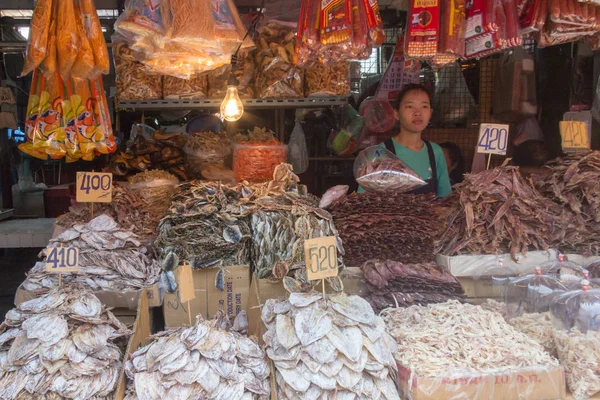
[(569, 273), (67, 43), (244, 73), (96, 36), (83, 67), (204, 148), (191, 89), (453, 102), (378, 115), (39, 35), (324, 80), (377, 170), (132, 78), (344, 142), (298, 151), (142, 20), (156, 187)]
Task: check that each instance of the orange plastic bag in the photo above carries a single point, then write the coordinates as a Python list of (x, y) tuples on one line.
[(66, 37), (95, 35), (84, 62), (49, 66), (38, 36)]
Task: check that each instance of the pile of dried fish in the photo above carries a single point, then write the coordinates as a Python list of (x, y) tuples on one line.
[(474, 341), (156, 187), (573, 184), (579, 354), (329, 348), (159, 150), (127, 208), (498, 211), (110, 259), (392, 227), (392, 283), (63, 345), (205, 361)]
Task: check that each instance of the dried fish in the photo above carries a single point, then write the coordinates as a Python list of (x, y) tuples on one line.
[(475, 341), (110, 259), (578, 353), (317, 358), (205, 359), (156, 187), (42, 359)]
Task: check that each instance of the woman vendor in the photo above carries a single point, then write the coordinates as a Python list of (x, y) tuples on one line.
[(424, 157)]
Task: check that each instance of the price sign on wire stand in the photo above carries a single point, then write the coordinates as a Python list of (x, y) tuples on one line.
[(62, 260), (493, 139), (94, 187), (321, 258), (574, 135)]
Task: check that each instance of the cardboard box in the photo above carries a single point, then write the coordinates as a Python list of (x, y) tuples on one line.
[(209, 299), (140, 338), (128, 300), (484, 286), (263, 289), (542, 383), (475, 265)]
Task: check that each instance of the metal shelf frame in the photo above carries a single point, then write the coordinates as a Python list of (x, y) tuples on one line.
[(161, 105)]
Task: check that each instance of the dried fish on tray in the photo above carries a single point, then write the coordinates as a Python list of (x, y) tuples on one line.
[(572, 182), (393, 283), (204, 361), (475, 341), (62, 345), (110, 259), (333, 347), (392, 227), (127, 208), (498, 211)]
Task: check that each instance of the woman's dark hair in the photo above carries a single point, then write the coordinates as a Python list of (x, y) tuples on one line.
[(456, 175), (411, 87), (531, 153)]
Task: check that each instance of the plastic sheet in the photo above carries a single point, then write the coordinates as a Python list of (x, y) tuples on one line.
[(377, 170), (324, 80), (298, 151), (39, 34)]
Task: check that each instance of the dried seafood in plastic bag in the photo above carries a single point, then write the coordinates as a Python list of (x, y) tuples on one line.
[(194, 88), (256, 155), (324, 80), (204, 148), (206, 360), (244, 73), (110, 259), (578, 353), (333, 346), (62, 345), (379, 171), (156, 187), (475, 341), (133, 80)]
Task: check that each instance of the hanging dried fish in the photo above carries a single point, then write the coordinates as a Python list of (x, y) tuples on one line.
[(62, 345), (200, 362), (110, 259), (333, 347)]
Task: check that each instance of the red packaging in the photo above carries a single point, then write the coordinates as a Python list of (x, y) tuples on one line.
[(423, 29), (335, 21), (452, 29), (479, 17), (482, 45), (512, 33), (376, 32), (533, 16)]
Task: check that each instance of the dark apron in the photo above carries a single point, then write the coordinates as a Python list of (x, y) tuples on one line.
[(432, 183)]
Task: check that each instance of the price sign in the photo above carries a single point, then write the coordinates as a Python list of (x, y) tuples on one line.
[(574, 135), (493, 139), (321, 258), (94, 187), (61, 260), (186, 284)]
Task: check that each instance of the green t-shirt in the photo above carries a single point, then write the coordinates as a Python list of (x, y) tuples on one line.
[(419, 162)]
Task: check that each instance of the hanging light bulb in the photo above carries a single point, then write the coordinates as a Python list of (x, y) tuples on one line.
[(232, 108)]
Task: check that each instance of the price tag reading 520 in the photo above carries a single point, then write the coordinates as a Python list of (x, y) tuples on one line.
[(321, 257), (94, 187), (62, 259)]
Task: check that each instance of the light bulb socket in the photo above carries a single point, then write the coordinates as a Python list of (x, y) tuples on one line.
[(232, 81)]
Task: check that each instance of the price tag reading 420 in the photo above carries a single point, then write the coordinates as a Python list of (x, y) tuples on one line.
[(321, 258), (574, 135), (94, 187), (493, 139), (62, 259)]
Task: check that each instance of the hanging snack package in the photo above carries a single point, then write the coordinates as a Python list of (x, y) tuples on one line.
[(362, 42), (49, 66), (533, 16), (49, 134), (96, 36), (144, 21), (133, 81), (84, 62), (376, 30), (327, 80), (189, 89), (452, 29), (422, 34), (308, 33), (39, 33), (277, 76), (192, 25), (229, 27), (379, 171), (335, 22), (67, 43), (33, 108)]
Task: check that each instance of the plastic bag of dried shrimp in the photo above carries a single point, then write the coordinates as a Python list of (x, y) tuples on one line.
[(256, 155), (193, 88), (325, 80), (377, 170)]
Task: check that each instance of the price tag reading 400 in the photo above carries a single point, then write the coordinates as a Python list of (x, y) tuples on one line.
[(321, 258), (62, 259), (493, 139), (94, 187)]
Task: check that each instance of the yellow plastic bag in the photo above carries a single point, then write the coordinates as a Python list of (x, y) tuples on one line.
[(38, 36), (49, 134), (66, 37), (33, 108), (95, 35)]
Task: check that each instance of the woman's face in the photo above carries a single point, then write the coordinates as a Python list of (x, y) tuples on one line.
[(414, 112)]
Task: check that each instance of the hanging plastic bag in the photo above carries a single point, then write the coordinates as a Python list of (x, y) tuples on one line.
[(33, 108), (38, 36), (49, 134), (96, 36), (49, 66), (298, 151), (345, 141), (132, 79), (379, 171), (84, 62), (453, 102), (143, 21), (67, 44)]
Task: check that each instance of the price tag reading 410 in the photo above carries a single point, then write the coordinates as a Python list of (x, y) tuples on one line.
[(493, 139), (62, 259), (94, 187), (321, 258)]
